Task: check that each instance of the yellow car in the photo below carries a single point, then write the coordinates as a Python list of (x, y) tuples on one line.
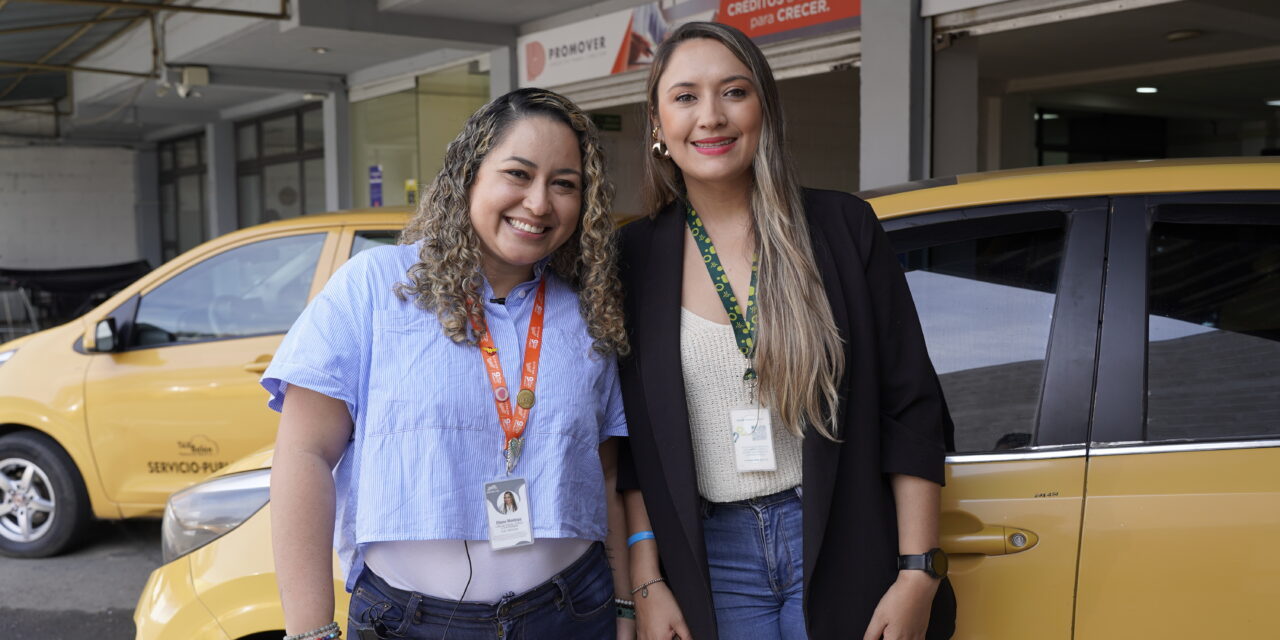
[(157, 388), (1108, 340)]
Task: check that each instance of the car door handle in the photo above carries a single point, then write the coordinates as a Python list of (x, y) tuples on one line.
[(259, 365), (991, 540)]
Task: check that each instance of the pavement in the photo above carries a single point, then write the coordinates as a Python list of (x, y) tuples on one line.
[(87, 593)]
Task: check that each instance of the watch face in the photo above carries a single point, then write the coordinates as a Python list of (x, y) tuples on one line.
[(938, 559)]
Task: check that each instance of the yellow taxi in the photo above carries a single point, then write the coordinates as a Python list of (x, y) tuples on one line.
[(1108, 341), (157, 388)]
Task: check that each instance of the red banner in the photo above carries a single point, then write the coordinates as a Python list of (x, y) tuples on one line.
[(758, 18)]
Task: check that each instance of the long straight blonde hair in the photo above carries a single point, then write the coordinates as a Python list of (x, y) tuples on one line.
[(799, 356)]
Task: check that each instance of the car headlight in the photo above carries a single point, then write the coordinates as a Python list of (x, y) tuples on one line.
[(207, 511), (5, 355)]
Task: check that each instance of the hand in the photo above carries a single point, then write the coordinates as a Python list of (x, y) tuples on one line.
[(626, 629), (903, 612), (658, 617)]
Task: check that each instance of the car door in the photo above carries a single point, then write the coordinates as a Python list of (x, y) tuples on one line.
[(1008, 298), (181, 398), (1182, 514)]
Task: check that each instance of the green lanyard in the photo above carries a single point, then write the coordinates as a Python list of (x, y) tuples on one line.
[(744, 324)]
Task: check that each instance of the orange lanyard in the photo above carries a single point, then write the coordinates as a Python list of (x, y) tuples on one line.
[(513, 422)]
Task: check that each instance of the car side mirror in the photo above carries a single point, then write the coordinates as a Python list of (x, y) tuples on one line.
[(104, 337)]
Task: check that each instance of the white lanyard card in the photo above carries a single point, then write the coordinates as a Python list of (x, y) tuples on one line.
[(752, 428), (507, 505)]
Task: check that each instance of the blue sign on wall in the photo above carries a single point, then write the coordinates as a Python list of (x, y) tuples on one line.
[(375, 185)]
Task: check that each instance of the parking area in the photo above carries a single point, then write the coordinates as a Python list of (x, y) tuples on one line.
[(88, 593)]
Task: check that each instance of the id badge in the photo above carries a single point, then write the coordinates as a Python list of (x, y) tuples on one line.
[(507, 505), (752, 439)]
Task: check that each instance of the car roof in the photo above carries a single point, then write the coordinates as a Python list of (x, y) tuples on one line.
[(1076, 181), (376, 215)]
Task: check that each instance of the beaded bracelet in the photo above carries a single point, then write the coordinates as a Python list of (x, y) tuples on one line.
[(329, 631)]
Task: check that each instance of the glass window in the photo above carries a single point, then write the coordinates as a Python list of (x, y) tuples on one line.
[(313, 181), (249, 196), (384, 133), (169, 214), (188, 153), (365, 240), (247, 142), (312, 129), (283, 191), (279, 136), (251, 290), (283, 180), (190, 211), (985, 296), (166, 157), (1213, 353)]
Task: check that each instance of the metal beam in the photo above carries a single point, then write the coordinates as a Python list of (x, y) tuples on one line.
[(1020, 14), (67, 67), (63, 25), (283, 14), (48, 55)]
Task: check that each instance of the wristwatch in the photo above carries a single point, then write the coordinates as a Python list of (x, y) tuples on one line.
[(933, 562)]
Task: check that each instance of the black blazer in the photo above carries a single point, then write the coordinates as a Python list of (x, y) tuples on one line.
[(892, 416)]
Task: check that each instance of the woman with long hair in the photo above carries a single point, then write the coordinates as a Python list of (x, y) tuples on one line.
[(469, 369), (787, 428)]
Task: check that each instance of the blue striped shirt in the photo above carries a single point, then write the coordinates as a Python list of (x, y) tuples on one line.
[(426, 434)]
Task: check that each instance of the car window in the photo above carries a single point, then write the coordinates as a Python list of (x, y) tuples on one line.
[(985, 293), (370, 239), (1213, 350), (251, 290)]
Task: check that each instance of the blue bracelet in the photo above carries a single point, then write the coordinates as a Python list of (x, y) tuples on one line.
[(637, 537)]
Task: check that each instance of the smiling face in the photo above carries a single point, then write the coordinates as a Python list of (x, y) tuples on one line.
[(526, 198), (709, 114)]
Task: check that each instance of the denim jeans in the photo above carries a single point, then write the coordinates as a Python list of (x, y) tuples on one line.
[(576, 603), (754, 549)]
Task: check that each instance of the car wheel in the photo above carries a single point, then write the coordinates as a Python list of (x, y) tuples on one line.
[(43, 504)]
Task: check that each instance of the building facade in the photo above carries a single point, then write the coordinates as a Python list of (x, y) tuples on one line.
[(226, 113)]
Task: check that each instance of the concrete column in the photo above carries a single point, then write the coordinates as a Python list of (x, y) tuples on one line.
[(146, 177), (503, 67), (337, 151), (893, 110), (220, 189), (955, 108)]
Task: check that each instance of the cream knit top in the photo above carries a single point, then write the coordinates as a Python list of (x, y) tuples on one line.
[(713, 384)]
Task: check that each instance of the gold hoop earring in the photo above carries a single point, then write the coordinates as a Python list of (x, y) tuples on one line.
[(659, 148)]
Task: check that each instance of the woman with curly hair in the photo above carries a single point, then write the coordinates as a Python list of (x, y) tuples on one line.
[(473, 361)]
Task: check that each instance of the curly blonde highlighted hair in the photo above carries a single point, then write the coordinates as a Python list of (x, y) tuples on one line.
[(447, 278)]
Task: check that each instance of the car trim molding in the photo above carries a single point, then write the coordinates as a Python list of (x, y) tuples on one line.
[(1030, 453), (1137, 448)]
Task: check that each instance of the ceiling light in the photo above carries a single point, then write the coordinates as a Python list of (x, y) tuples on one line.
[(1273, 103), (320, 50), (1050, 116), (1183, 34), (1147, 89), (314, 96)]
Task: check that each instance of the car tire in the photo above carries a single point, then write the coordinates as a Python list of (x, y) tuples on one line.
[(44, 507)]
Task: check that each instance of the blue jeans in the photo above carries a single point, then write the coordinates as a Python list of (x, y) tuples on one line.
[(576, 603), (755, 552)]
